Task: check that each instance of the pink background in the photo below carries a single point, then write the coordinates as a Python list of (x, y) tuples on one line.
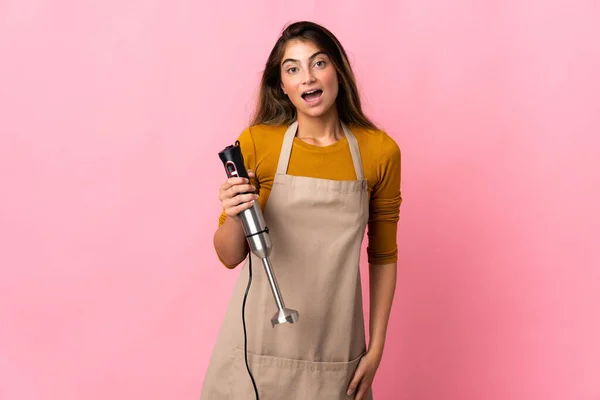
[(111, 117)]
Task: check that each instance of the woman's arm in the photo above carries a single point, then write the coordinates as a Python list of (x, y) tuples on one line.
[(382, 283), (230, 243)]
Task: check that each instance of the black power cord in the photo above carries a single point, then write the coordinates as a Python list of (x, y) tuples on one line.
[(244, 323)]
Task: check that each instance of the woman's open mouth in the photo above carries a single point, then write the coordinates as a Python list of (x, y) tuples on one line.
[(312, 96)]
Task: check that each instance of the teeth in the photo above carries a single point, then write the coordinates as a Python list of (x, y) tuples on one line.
[(312, 91)]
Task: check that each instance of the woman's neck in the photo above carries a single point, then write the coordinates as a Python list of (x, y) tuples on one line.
[(320, 131)]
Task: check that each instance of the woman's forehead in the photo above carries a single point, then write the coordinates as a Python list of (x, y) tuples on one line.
[(300, 50)]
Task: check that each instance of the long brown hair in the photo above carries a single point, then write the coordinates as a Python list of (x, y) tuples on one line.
[(275, 108)]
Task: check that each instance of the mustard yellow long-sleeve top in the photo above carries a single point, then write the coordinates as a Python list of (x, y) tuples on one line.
[(261, 144)]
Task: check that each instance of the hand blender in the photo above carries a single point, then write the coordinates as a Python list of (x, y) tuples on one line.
[(257, 233)]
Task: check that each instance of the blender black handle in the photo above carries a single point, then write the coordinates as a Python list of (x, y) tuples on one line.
[(233, 161)]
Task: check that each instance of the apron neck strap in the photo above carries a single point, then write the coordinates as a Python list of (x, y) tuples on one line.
[(288, 142)]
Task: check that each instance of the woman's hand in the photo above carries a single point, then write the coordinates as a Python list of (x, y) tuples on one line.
[(234, 202), (364, 374)]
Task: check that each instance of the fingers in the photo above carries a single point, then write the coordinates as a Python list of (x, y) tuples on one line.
[(236, 185), (233, 182), (238, 181), (355, 381), (239, 199), (238, 194), (233, 191), (235, 210), (363, 389)]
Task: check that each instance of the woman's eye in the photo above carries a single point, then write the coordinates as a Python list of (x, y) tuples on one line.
[(291, 70), (320, 63)]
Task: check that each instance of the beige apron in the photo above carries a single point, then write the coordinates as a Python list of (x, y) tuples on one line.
[(317, 227)]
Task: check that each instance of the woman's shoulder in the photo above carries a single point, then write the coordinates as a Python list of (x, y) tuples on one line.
[(376, 140), (263, 130), (263, 134), (262, 139)]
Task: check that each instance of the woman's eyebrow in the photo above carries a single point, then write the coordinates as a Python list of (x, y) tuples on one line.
[(310, 58)]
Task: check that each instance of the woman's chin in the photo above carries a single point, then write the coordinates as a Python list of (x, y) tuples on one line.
[(317, 112)]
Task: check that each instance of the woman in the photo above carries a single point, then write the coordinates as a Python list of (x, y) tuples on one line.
[(322, 173)]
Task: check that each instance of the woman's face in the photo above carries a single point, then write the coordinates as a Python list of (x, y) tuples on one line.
[(308, 78)]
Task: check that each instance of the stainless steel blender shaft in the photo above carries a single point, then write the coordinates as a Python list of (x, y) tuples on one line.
[(260, 244)]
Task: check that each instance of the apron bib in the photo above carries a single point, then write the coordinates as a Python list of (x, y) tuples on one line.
[(317, 228)]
